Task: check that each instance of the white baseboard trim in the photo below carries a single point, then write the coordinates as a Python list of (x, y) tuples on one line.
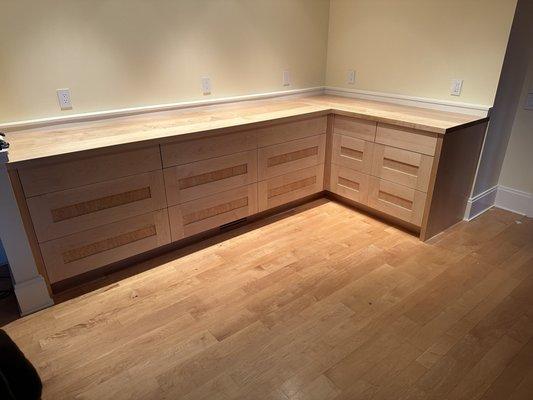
[(34, 123), (435, 104), (514, 200), (32, 295), (480, 203)]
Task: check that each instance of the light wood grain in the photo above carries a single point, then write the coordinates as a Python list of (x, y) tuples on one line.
[(402, 166), (352, 153), (349, 183), (408, 139), (74, 210), (292, 186), (210, 212), (356, 128), (84, 251), (399, 201), (202, 149), (290, 156), (53, 177), (280, 133), (170, 126), (341, 306), (203, 178)]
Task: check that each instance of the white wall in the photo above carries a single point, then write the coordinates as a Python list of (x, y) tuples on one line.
[(126, 53), (416, 47)]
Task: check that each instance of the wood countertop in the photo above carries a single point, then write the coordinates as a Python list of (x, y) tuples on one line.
[(29, 145)]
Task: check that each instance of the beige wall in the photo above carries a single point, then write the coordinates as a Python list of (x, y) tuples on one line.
[(127, 53), (416, 47), (517, 170)]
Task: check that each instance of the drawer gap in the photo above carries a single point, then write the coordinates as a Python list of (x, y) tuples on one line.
[(108, 244), (292, 156), (395, 200), (349, 184), (351, 153), (395, 165), (103, 203), (212, 176), (215, 210), (290, 187)]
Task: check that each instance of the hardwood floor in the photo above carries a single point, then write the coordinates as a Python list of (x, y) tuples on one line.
[(326, 303)]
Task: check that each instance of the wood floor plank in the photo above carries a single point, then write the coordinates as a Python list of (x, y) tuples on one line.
[(324, 302)]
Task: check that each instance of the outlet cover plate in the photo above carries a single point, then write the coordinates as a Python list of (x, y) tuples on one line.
[(63, 97)]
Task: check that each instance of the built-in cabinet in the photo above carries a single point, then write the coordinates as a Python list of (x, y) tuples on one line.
[(89, 212)]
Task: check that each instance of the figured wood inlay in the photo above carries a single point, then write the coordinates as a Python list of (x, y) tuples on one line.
[(351, 153), (292, 156), (400, 166), (91, 206), (215, 210), (290, 187), (348, 183), (212, 176), (108, 244), (399, 201)]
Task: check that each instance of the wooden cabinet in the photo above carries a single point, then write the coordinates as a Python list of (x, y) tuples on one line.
[(55, 176), (397, 200), (290, 156), (349, 183), (185, 152), (354, 127), (352, 153), (203, 178), (295, 185), (209, 212), (69, 211), (85, 251), (402, 166), (284, 132), (408, 139)]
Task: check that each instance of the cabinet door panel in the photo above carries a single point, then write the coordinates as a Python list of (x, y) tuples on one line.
[(349, 183), (185, 152), (397, 200), (354, 127), (406, 138), (402, 166), (285, 132), (88, 250), (74, 210), (291, 156), (289, 187), (352, 153), (203, 178), (210, 212)]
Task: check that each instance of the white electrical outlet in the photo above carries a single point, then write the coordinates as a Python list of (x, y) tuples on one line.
[(457, 86), (286, 78), (350, 77), (206, 85), (63, 96)]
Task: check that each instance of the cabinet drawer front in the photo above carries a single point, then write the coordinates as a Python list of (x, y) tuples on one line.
[(88, 250), (352, 153), (289, 187), (397, 200), (286, 157), (349, 183), (210, 212), (74, 210), (192, 181), (291, 131), (408, 139), (54, 177), (189, 151), (353, 127)]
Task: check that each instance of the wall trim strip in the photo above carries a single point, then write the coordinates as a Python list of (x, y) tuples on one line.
[(514, 200), (480, 203), (424, 102), (97, 115)]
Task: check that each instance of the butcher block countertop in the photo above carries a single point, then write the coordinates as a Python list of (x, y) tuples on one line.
[(30, 145)]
